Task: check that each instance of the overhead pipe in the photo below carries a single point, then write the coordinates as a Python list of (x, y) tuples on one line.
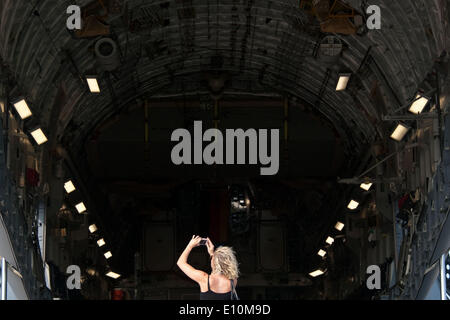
[(361, 177), (111, 90)]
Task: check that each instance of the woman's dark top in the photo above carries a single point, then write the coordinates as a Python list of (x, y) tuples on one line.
[(211, 295)]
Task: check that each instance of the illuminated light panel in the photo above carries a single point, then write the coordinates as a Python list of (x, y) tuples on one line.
[(322, 253), (80, 207), (365, 186), (329, 240), (316, 273), (419, 104), (69, 186), (108, 255), (113, 275), (343, 81), (93, 84), (92, 228), (339, 226), (22, 109), (101, 242), (399, 132), (39, 136), (353, 205)]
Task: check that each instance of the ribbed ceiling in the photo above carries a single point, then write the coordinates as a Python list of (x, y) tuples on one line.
[(268, 47)]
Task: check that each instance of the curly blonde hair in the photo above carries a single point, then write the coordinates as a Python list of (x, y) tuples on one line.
[(225, 262)]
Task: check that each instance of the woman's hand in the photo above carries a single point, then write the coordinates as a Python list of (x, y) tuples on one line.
[(210, 246), (195, 242)]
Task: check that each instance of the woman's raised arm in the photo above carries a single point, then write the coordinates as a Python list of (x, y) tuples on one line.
[(196, 275)]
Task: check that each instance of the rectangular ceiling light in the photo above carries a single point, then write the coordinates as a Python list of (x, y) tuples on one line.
[(80, 207), (108, 255), (92, 228), (353, 205), (93, 84), (316, 273), (419, 104), (39, 136), (101, 242), (22, 109), (366, 186), (343, 81), (322, 253), (69, 186), (113, 275), (399, 132), (339, 226), (329, 240)]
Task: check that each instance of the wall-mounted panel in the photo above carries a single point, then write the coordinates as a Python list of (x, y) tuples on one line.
[(272, 246), (159, 244)]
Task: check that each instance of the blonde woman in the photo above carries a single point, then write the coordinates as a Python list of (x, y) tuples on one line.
[(220, 284)]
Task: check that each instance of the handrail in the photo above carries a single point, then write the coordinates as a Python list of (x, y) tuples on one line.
[(4, 269), (442, 275)]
